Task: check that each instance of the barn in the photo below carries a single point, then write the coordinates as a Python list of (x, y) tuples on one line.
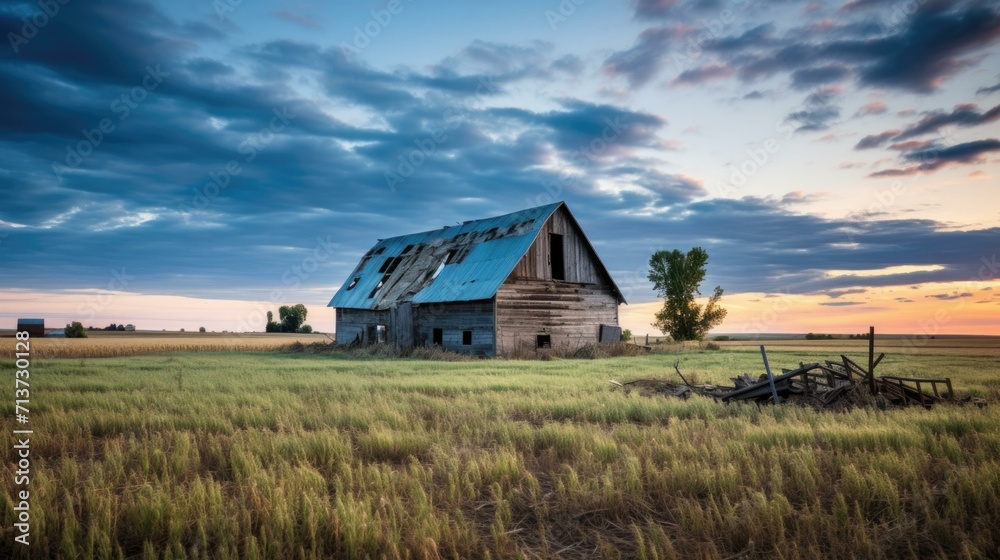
[(34, 327), (527, 281)]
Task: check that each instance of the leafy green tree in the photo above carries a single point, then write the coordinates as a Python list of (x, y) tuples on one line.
[(677, 277), (75, 330), (292, 317), (305, 329), (626, 335)]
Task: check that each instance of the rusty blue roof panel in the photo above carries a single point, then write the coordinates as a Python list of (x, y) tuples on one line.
[(461, 263)]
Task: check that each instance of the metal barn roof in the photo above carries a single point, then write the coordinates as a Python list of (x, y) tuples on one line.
[(31, 321), (461, 263)]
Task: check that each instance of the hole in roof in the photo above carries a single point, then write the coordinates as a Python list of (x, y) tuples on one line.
[(407, 249), (353, 283), (439, 269)]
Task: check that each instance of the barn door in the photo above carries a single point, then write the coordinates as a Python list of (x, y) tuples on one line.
[(401, 323)]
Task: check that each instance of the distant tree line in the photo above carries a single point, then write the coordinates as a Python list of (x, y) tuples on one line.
[(817, 336), (291, 319)]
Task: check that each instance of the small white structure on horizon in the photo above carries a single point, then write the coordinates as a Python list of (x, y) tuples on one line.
[(130, 327)]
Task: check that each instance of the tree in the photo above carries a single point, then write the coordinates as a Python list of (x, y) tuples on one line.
[(292, 317), (677, 277), (201, 329), (75, 330), (626, 335), (305, 329)]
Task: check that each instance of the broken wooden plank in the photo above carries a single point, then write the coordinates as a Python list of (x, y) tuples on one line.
[(770, 378)]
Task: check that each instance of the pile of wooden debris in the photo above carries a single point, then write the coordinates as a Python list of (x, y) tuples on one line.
[(823, 385)]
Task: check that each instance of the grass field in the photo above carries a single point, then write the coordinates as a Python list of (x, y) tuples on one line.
[(276, 455), (107, 344)]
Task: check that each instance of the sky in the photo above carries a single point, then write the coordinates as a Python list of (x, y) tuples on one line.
[(198, 163)]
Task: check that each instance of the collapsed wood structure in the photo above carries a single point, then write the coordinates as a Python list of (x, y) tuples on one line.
[(827, 384), (530, 281)]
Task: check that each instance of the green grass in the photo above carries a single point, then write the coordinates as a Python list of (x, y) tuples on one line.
[(262, 455)]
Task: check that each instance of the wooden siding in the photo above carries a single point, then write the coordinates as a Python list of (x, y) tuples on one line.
[(454, 319), (571, 314), (353, 324), (581, 264)]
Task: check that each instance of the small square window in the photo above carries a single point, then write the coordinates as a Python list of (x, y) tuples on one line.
[(467, 338), (543, 341)]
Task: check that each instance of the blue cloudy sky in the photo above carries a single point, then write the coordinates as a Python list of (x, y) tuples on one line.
[(194, 162)]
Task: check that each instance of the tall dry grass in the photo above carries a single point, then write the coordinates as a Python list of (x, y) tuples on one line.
[(268, 455)]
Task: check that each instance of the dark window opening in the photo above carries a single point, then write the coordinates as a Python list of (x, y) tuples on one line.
[(393, 265), (451, 255), (353, 283), (407, 249), (466, 338), (390, 264), (438, 337), (543, 341), (380, 251), (556, 256)]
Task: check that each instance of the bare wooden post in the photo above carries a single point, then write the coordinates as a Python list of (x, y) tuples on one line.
[(770, 378), (947, 381), (902, 390), (871, 359), (647, 339)]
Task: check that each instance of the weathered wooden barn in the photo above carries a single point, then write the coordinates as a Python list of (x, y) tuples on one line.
[(527, 281)]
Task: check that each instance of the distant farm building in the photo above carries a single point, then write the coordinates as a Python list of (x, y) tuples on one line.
[(58, 333), (34, 327), (527, 281)]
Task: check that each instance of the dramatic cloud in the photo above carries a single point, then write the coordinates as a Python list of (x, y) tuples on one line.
[(703, 74), (876, 140), (917, 53), (242, 153), (931, 159), (641, 63), (988, 89), (819, 110), (808, 78), (965, 116)]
